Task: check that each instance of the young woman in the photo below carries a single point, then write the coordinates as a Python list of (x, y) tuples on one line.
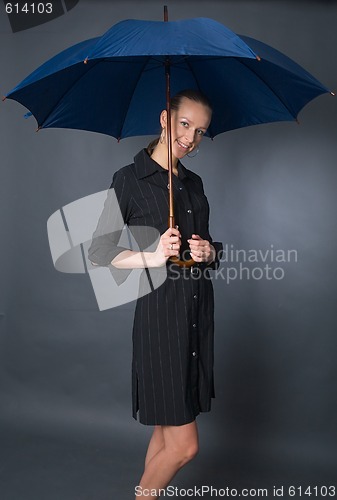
[(172, 369)]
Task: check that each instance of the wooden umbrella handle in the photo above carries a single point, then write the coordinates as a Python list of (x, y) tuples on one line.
[(176, 260)]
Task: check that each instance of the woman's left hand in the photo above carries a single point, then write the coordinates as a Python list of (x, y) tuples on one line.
[(201, 250)]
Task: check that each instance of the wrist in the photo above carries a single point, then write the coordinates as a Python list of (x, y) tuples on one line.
[(152, 259)]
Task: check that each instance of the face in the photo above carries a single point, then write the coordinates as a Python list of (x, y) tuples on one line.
[(188, 126)]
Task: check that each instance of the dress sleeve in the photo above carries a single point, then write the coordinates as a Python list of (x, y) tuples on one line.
[(218, 249), (116, 212)]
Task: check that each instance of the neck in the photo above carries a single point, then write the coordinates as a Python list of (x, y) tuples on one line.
[(160, 155)]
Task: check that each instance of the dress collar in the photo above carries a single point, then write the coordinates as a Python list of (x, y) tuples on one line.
[(146, 166)]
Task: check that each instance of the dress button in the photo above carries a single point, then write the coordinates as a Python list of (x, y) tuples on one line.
[(195, 296), (194, 354), (180, 189), (189, 211), (194, 325)]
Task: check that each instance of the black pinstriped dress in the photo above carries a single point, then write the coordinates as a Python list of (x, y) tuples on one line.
[(172, 367)]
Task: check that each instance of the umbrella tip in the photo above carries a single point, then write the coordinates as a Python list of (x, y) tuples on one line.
[(86, 60), (332, 93), (165, 13), (258, 58), (38, 128), (4, 98)]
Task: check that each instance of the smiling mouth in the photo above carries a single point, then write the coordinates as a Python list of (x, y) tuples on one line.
[(182, 145)]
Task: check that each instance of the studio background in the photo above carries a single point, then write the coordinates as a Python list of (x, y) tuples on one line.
[(65, 379)]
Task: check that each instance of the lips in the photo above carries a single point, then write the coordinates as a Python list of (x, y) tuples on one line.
[(182, 145)]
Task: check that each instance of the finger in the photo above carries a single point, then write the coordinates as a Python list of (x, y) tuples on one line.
[(166, 239), (196, 257), (196, 237), (201, 255), (173, 246), (172, 231), (173, 235), (169, 252), (173, 239), (172, 253), (198, 241), (196, 245)]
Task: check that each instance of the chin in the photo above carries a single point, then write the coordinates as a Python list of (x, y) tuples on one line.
[(181, 156), (179, 153)]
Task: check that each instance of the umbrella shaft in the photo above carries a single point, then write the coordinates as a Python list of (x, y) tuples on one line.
[(169, 142)]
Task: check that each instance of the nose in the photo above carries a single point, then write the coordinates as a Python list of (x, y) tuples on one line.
[(189, 135)]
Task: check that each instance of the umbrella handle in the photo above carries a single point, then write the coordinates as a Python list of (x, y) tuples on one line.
[(182, 263), (176, 260)]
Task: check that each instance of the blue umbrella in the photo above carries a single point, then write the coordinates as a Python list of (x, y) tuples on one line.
[(115, 84), (118, 84)]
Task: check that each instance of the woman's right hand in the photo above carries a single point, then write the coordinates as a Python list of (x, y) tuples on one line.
[(168, 246)]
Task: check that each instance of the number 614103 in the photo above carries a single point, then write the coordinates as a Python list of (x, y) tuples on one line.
[(29, 8)]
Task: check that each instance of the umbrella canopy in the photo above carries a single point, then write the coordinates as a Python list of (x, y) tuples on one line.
[(115, 84)]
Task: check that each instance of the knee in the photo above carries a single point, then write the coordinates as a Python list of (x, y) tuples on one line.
[(185, 454), (190, 452)]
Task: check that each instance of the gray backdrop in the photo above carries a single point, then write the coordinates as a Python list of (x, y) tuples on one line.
[(65, 406)]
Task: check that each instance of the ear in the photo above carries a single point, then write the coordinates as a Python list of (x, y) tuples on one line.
[(163, 118)]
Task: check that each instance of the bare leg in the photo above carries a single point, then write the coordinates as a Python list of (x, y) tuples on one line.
[(156, 443), (180, 446)]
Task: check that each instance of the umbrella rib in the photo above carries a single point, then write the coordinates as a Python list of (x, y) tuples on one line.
[(195, 79), (67, 91), (133, 93), (267, 85)]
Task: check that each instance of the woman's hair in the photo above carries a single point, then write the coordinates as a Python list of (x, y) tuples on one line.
[(175, 102)]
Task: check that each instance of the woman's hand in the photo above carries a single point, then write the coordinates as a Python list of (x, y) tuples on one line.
[(201, 250), (168, 246)]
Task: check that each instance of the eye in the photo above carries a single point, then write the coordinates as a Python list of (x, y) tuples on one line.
[(184, 124), (200, 132)]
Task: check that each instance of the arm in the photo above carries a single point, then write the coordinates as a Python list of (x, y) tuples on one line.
[(129, 259)]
